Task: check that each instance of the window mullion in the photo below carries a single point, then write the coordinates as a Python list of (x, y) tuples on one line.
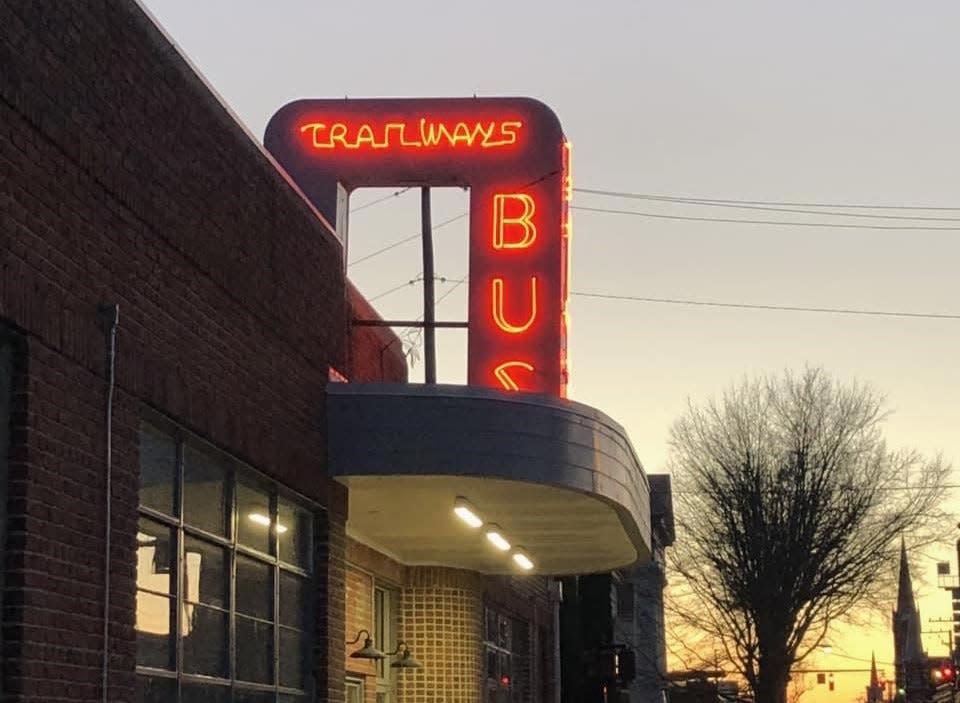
[(232, 596), (275, 616), (177, 568)]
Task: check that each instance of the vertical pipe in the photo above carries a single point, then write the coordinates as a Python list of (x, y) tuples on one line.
[(429, 331), (109, 316)]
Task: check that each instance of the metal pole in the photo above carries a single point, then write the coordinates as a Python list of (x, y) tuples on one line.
[(429, 330)]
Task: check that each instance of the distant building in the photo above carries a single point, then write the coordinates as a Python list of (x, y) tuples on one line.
[(639, 620), (623, 608)]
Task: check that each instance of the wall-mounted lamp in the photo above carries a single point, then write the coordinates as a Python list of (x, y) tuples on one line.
[(367, 651), (466, 512), (406, 660)]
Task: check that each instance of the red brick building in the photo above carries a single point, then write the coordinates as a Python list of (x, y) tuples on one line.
[(190, 507)]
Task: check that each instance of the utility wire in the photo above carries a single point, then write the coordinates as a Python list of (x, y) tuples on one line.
[(415, 279), (397, 243), (394, 194), (412, 237), (682, 199), (767, 208), (720, 304), (759, 306), (711, 201), (777, 223)]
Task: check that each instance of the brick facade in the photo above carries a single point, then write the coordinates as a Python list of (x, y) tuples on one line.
[(123, 180)]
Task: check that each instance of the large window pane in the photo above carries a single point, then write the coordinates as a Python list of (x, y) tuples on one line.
[(155, 556), (254, 517), (153, 689), (292, 603), (204, 492), (242, 696), (158, 470), (295, 532), (291, 658), (154, 645), (203, 693), (204, 641), (205, 575), (254, 650), (254, 588)]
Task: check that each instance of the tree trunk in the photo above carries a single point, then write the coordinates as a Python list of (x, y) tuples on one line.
[(772, 681)]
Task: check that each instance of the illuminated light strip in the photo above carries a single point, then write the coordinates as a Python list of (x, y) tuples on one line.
[(522, 560), (506, 380), (466, 512), (496, 538), (498, 316), (500, 221), (425, 133)]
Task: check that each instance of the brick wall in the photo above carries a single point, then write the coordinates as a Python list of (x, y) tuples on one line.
[(123, 180), (442, 621)]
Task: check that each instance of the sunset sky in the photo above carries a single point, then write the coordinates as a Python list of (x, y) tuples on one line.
[(803, 103)]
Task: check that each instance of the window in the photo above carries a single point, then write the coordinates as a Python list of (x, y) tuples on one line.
[(354, 690), (385, 638), (507, 653), (223, 578)]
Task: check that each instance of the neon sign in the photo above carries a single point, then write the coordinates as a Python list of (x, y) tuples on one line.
[(512, 154), (418, 134)]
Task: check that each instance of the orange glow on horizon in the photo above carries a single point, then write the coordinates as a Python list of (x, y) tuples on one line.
[(413, 134), (498, 315), (524, 221), (505, 379)]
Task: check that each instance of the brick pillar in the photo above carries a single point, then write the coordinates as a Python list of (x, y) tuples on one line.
[(442, 621), (330, 603)]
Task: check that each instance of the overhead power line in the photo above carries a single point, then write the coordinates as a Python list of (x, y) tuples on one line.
[(776, 223), (397, 243), (412, 237), (766, 208), (784, 203), (761, 306), (394, 194)]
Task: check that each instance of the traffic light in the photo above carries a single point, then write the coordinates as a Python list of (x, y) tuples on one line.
[(942, 673)]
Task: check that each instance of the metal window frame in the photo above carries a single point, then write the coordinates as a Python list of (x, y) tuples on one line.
[(235, 471), (387, 640)]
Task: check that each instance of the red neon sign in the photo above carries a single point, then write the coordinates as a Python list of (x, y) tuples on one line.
[(513, 156), (413, 134)]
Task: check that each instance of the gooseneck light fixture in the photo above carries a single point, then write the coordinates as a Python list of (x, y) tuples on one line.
[(406, 660), (368, 650)]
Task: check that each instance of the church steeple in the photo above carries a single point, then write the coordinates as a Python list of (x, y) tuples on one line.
[(906, 618), (907, 647), (874, 690)]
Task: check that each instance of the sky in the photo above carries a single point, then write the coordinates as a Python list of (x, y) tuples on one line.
[(808, 102)]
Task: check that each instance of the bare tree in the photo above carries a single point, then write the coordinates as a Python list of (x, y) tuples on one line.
[(789, 507)]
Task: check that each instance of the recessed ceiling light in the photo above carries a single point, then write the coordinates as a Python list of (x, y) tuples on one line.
[(496, 538), (466, 512), (522, 560)]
